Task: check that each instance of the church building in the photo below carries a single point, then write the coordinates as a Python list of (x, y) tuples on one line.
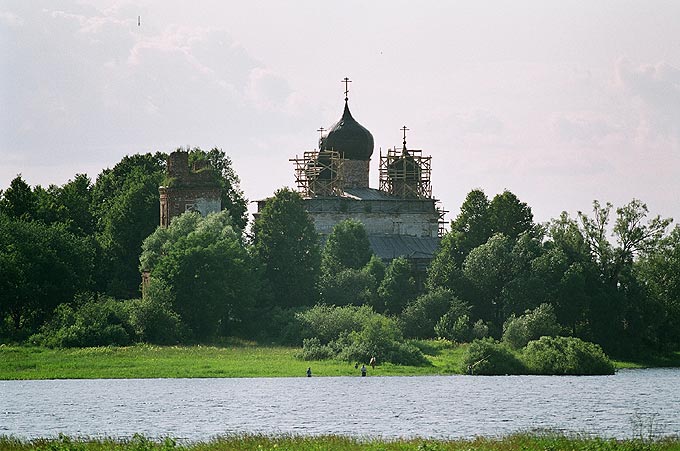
[(401, 216)]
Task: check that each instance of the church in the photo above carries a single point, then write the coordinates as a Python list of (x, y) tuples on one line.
[(401, 216)]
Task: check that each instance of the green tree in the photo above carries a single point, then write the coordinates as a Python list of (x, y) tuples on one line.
[(347, 286), (659, 272), (42, 266), (631, 235), (210, 273), (488, 268), (420, 315), (286, 243), (470, 229), (18, 200), (534, 324), (347, 246), (509, 216), (398, 287), (232, 196), (126, 206), (620, 314)]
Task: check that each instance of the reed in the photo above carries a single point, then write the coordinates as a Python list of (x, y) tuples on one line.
[(339, 443)]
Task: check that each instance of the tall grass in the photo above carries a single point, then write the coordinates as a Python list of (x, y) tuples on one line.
[(232, 359), (520, 442), (145, 361)]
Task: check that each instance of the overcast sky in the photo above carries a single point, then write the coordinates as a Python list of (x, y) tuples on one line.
[(560, 102)]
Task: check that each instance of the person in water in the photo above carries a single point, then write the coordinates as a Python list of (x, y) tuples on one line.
[(363, 370), (309, 372)]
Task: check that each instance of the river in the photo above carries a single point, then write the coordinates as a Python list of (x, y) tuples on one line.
[(629, 404)]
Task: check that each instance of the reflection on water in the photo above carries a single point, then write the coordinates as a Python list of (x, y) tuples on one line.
[(631, 403)]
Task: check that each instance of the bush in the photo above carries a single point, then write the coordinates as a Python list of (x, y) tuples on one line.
[(480, 330), (354, 334), (518, 331), (489, 357), (348, 286), (97, 322), (328, 323), (382, 339), (566, 355), (312, 349), (421, 315)]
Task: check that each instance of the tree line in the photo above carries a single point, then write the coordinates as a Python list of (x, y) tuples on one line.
[(71, 258)]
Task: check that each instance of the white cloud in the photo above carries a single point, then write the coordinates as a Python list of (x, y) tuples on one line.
[(655, 93), (583, 127), (10, 19)]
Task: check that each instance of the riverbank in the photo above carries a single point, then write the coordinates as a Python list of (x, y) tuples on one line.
[(241, 359), (336, 443)]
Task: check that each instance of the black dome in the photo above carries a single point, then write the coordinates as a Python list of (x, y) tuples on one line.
[(350, 138), (405, 168)]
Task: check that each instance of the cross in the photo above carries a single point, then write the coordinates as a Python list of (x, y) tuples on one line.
[(346, 81), (405, 130), (321, 130)]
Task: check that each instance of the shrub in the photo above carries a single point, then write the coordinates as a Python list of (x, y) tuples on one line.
[(312, 349), (453, 328), (382, 339), (354, 334), (328, 323), (348, 286), (153, 319), (421, 315), (480, 330), (489, 357), (97, 322), (518, 331), (566, 355)]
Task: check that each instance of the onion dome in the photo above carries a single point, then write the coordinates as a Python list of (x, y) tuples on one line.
[(322, 168), (348, 137), (404, 168)]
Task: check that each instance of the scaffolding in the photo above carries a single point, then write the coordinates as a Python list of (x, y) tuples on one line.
[(406, 173), (318, 173)]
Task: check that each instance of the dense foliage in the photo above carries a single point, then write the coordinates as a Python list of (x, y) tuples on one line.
[(354, 334), (71, 255), (208, 270), (287, 245)]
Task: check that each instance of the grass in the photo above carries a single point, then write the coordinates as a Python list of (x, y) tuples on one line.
[(651, 361), (238, 359), (519, 442), (241, 359)]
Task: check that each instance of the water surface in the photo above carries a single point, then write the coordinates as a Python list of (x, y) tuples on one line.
[(628, 404)]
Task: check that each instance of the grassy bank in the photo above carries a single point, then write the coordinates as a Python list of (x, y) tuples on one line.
[(237, 360), (334, 443), (241, 360)]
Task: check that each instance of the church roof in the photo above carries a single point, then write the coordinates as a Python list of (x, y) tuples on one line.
[(388, 247), (367, 194), (350, 138)]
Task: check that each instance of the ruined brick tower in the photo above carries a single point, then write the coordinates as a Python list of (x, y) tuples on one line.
[(188, 189)]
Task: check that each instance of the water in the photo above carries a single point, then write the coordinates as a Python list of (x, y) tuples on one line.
[(629, 404)]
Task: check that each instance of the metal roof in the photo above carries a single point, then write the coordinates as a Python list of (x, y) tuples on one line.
[(388, 247), (368, 194)]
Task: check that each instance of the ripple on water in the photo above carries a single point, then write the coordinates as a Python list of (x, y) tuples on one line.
[(441, 407)]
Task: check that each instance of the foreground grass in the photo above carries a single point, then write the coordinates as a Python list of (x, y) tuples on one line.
[(239, 360), (335, 443)]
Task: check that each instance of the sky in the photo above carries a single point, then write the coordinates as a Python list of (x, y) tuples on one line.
[(561, 102)]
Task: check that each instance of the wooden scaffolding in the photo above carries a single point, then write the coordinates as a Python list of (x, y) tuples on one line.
[(318, 173), (406, 173)]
